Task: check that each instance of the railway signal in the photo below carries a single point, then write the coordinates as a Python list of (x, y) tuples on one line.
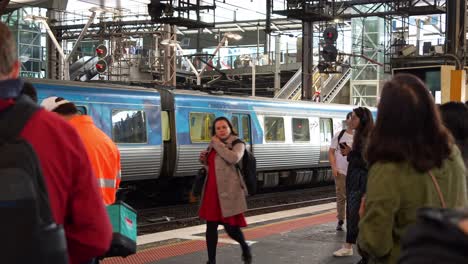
[(104, 58), (329, 51)]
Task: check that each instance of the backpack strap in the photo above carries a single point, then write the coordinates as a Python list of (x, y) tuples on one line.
[(341, 135), (15, 118)]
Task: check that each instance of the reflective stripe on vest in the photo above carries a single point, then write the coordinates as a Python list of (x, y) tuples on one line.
[(107, 183)]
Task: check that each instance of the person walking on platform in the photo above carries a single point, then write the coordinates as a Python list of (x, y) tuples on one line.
[(72, 189), (356, 176), (223, 201), (102, 151), (339, 164), (413, 163)]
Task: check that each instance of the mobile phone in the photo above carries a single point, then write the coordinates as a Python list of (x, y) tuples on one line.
[(343, 145)]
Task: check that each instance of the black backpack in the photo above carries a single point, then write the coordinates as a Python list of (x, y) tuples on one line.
[(28, 231), (248, 168)]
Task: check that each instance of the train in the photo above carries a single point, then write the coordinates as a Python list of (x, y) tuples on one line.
[(160, 132)]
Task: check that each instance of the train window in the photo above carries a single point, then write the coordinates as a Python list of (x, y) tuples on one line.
[(246, 128), (274, 129), (81, 110), (301, 132), (326, 130), (235, 123), (128, 126), (200, 126)]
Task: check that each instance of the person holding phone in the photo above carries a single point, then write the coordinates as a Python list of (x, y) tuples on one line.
[(356, 177), (223, 201), (339, 149)]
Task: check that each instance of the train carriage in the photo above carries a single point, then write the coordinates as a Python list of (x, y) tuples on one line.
[(131, 116), (160, 132)]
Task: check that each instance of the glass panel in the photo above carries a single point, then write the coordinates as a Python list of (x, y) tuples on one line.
[(301, 129), (200, 126), (235, 123), (81, 110), (129, 126), (246, 128), (274, 129), (326, 130)]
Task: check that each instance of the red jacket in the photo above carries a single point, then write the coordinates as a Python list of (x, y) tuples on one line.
[(73, 191)]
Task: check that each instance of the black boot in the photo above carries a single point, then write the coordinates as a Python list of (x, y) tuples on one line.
[(247, 256)]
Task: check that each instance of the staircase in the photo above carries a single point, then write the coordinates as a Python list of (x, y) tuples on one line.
[(83, 69), (291, 87), (336, 87)]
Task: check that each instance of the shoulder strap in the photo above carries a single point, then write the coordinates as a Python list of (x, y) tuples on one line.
[(341, 135), (15, 118), (436, 185), (238, 140)]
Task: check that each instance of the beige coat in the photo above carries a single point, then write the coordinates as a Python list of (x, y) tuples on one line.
[(231, 187)]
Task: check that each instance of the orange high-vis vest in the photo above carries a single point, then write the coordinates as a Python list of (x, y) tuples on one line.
[(103, 155)]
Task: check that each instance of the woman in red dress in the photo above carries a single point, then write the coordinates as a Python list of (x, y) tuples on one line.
[(224, 192)]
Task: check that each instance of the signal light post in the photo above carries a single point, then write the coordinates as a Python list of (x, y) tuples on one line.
[(329, 51), (104, 59)]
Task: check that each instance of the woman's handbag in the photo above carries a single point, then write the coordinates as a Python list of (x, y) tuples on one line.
[(197, 187)]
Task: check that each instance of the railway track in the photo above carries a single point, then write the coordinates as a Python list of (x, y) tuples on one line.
[(171, 217)]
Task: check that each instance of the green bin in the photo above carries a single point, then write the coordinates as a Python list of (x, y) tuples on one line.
[(124, 227)]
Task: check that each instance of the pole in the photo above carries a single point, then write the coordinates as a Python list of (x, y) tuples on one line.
[(277, 63), (254, 61)]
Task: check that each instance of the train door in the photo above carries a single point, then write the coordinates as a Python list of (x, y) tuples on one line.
[(326, 135), (241, 124)]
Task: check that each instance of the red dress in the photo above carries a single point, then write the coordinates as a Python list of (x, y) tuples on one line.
[(210, 209)]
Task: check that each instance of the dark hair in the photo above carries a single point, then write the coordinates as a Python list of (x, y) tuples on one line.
[(455, 118), (348, 116), (366, 123), (29, 90), (65, 109), (408, 127), (213, 129)]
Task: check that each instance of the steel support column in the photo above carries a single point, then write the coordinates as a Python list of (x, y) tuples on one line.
[(54, 62), (170, 56), (455, 28), (307, 60), (277, 63)]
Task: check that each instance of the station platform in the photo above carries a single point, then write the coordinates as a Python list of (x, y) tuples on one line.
[(304, 235)]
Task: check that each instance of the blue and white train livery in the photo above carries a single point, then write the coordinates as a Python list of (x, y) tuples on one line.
[(160, 132)]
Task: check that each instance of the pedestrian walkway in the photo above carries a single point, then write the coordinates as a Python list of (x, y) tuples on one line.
[(305, 235)]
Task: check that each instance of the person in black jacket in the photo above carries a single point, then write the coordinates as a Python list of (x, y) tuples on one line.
[(439, 236), (356, 179), (455, 118)]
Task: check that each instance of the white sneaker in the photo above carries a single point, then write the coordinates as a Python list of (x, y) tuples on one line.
[(343, 252)]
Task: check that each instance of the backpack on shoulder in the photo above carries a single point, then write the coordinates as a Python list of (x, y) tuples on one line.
[(29, 233), (248, 168)]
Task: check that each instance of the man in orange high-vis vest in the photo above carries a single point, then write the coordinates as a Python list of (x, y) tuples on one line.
[(102, 151)]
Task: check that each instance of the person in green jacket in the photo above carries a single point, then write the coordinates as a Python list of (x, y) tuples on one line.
[(408, 143)]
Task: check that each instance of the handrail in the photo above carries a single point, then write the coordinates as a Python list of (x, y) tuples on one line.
[(290, 86), (337, 88)]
